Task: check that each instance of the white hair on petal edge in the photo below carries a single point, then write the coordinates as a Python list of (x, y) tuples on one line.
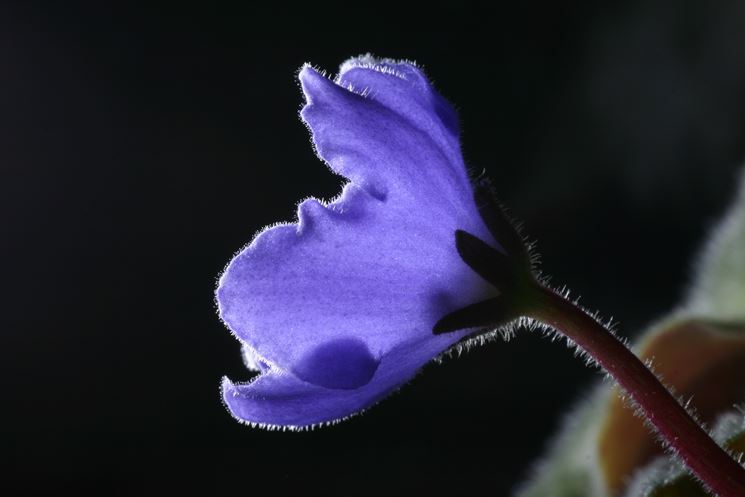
[(381, 65)]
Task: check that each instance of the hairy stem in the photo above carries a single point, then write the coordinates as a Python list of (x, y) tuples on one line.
[(703, 457)]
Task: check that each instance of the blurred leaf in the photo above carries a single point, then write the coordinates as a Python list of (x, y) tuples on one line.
[(718, 289), (691, 357), (569, 469), (666, 476), (698, 349), (603, 443)]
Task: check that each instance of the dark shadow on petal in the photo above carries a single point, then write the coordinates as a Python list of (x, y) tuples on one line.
[(443, 302), (344, 363), (447, 114)]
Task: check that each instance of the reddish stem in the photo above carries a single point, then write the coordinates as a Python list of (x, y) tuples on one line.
[(698, 451)]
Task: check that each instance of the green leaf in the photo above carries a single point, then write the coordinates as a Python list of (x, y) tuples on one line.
[(601, 444), (569, 467), (718, 289), (666, 476), (700, 361)]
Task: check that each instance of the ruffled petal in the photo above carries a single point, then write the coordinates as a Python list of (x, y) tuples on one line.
[(351, 281), (403, 88), (383, 151), (327, 300), (279, 399)]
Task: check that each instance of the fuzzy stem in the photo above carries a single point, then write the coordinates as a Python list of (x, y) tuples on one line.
[(709, 462)]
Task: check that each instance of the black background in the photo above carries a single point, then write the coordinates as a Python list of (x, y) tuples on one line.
[(141, 147)]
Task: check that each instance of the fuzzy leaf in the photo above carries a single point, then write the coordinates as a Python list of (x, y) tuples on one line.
[(698, 349), (570, 467), (604, 443), (700, 361), (666, 476), (718, 289)]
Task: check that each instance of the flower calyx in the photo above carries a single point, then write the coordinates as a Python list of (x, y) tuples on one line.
[(508, 267)]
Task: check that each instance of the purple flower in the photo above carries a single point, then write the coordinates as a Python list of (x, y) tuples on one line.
[(337, 310)]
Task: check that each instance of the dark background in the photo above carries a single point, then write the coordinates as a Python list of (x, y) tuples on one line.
[(140, 148)]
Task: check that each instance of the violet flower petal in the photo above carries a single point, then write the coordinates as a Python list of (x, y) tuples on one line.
[(278, 399), (330, 303), (409, 94)]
